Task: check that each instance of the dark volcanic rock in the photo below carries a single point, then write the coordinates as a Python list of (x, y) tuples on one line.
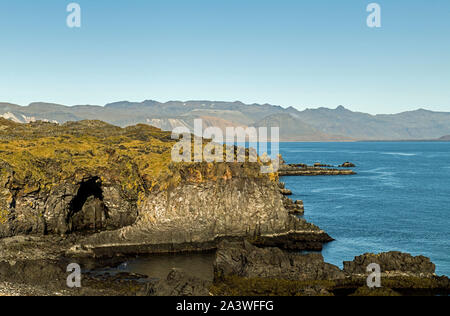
[(243, 269), (321, 165), (33, 272), (347, 165), (391, 262), (196, 215), (84, 205), (318, 169), (366, 291), (295, 208), (178, 283), (304, 170), (248, 261), (285, 192)]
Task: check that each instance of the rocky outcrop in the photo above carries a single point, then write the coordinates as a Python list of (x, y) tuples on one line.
[(247, 261), (49, 174), (283, 190), (294, 207), (86, 205), (318, 169), (391, 263), (304, 170), (243, 269), (321, 165), (286, 192)]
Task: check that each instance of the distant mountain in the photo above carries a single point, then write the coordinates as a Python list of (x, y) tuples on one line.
[(320, 124), (294, 129), (445, 138)]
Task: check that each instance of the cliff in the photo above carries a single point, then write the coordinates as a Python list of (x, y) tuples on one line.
[(50, 175), (195, 215), (91, 190), (120, 189)]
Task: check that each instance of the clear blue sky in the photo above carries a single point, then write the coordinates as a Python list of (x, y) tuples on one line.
[(285, 52)]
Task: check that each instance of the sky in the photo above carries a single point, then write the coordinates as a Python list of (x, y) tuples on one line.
[(305, 54)]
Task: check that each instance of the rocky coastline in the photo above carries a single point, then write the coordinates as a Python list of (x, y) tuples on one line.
[(244, 268), (95, 194), (240, 269)]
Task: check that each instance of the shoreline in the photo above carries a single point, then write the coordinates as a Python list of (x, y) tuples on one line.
[(240, 268)]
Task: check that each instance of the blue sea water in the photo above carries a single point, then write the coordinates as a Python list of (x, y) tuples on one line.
[(399, 200)]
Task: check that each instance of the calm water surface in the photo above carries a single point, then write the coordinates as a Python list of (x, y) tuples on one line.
[(400, 199)]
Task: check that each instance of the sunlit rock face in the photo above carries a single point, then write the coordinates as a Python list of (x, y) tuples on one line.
[(210, 203), (120, 187)]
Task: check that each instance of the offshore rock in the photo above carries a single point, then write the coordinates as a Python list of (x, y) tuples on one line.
[(318, 169), (304, 170), (321, 165)]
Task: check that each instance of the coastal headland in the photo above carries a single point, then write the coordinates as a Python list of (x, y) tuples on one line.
[(94, 194)]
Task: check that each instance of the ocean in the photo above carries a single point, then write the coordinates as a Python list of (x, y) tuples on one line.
[(398, 201)]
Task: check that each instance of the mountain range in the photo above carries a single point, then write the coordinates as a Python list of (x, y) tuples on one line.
[(320, 124)]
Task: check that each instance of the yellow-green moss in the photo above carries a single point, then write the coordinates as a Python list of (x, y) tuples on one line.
[(365, 291), (4, 215), (42, 155), (237, 286)]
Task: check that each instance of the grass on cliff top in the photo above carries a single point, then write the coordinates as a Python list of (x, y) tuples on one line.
[(40, 155)]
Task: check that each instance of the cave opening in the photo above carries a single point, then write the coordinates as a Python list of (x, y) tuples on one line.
[(87, 211)]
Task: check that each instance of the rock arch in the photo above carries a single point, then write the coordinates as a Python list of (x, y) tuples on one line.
[(87, 212)]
